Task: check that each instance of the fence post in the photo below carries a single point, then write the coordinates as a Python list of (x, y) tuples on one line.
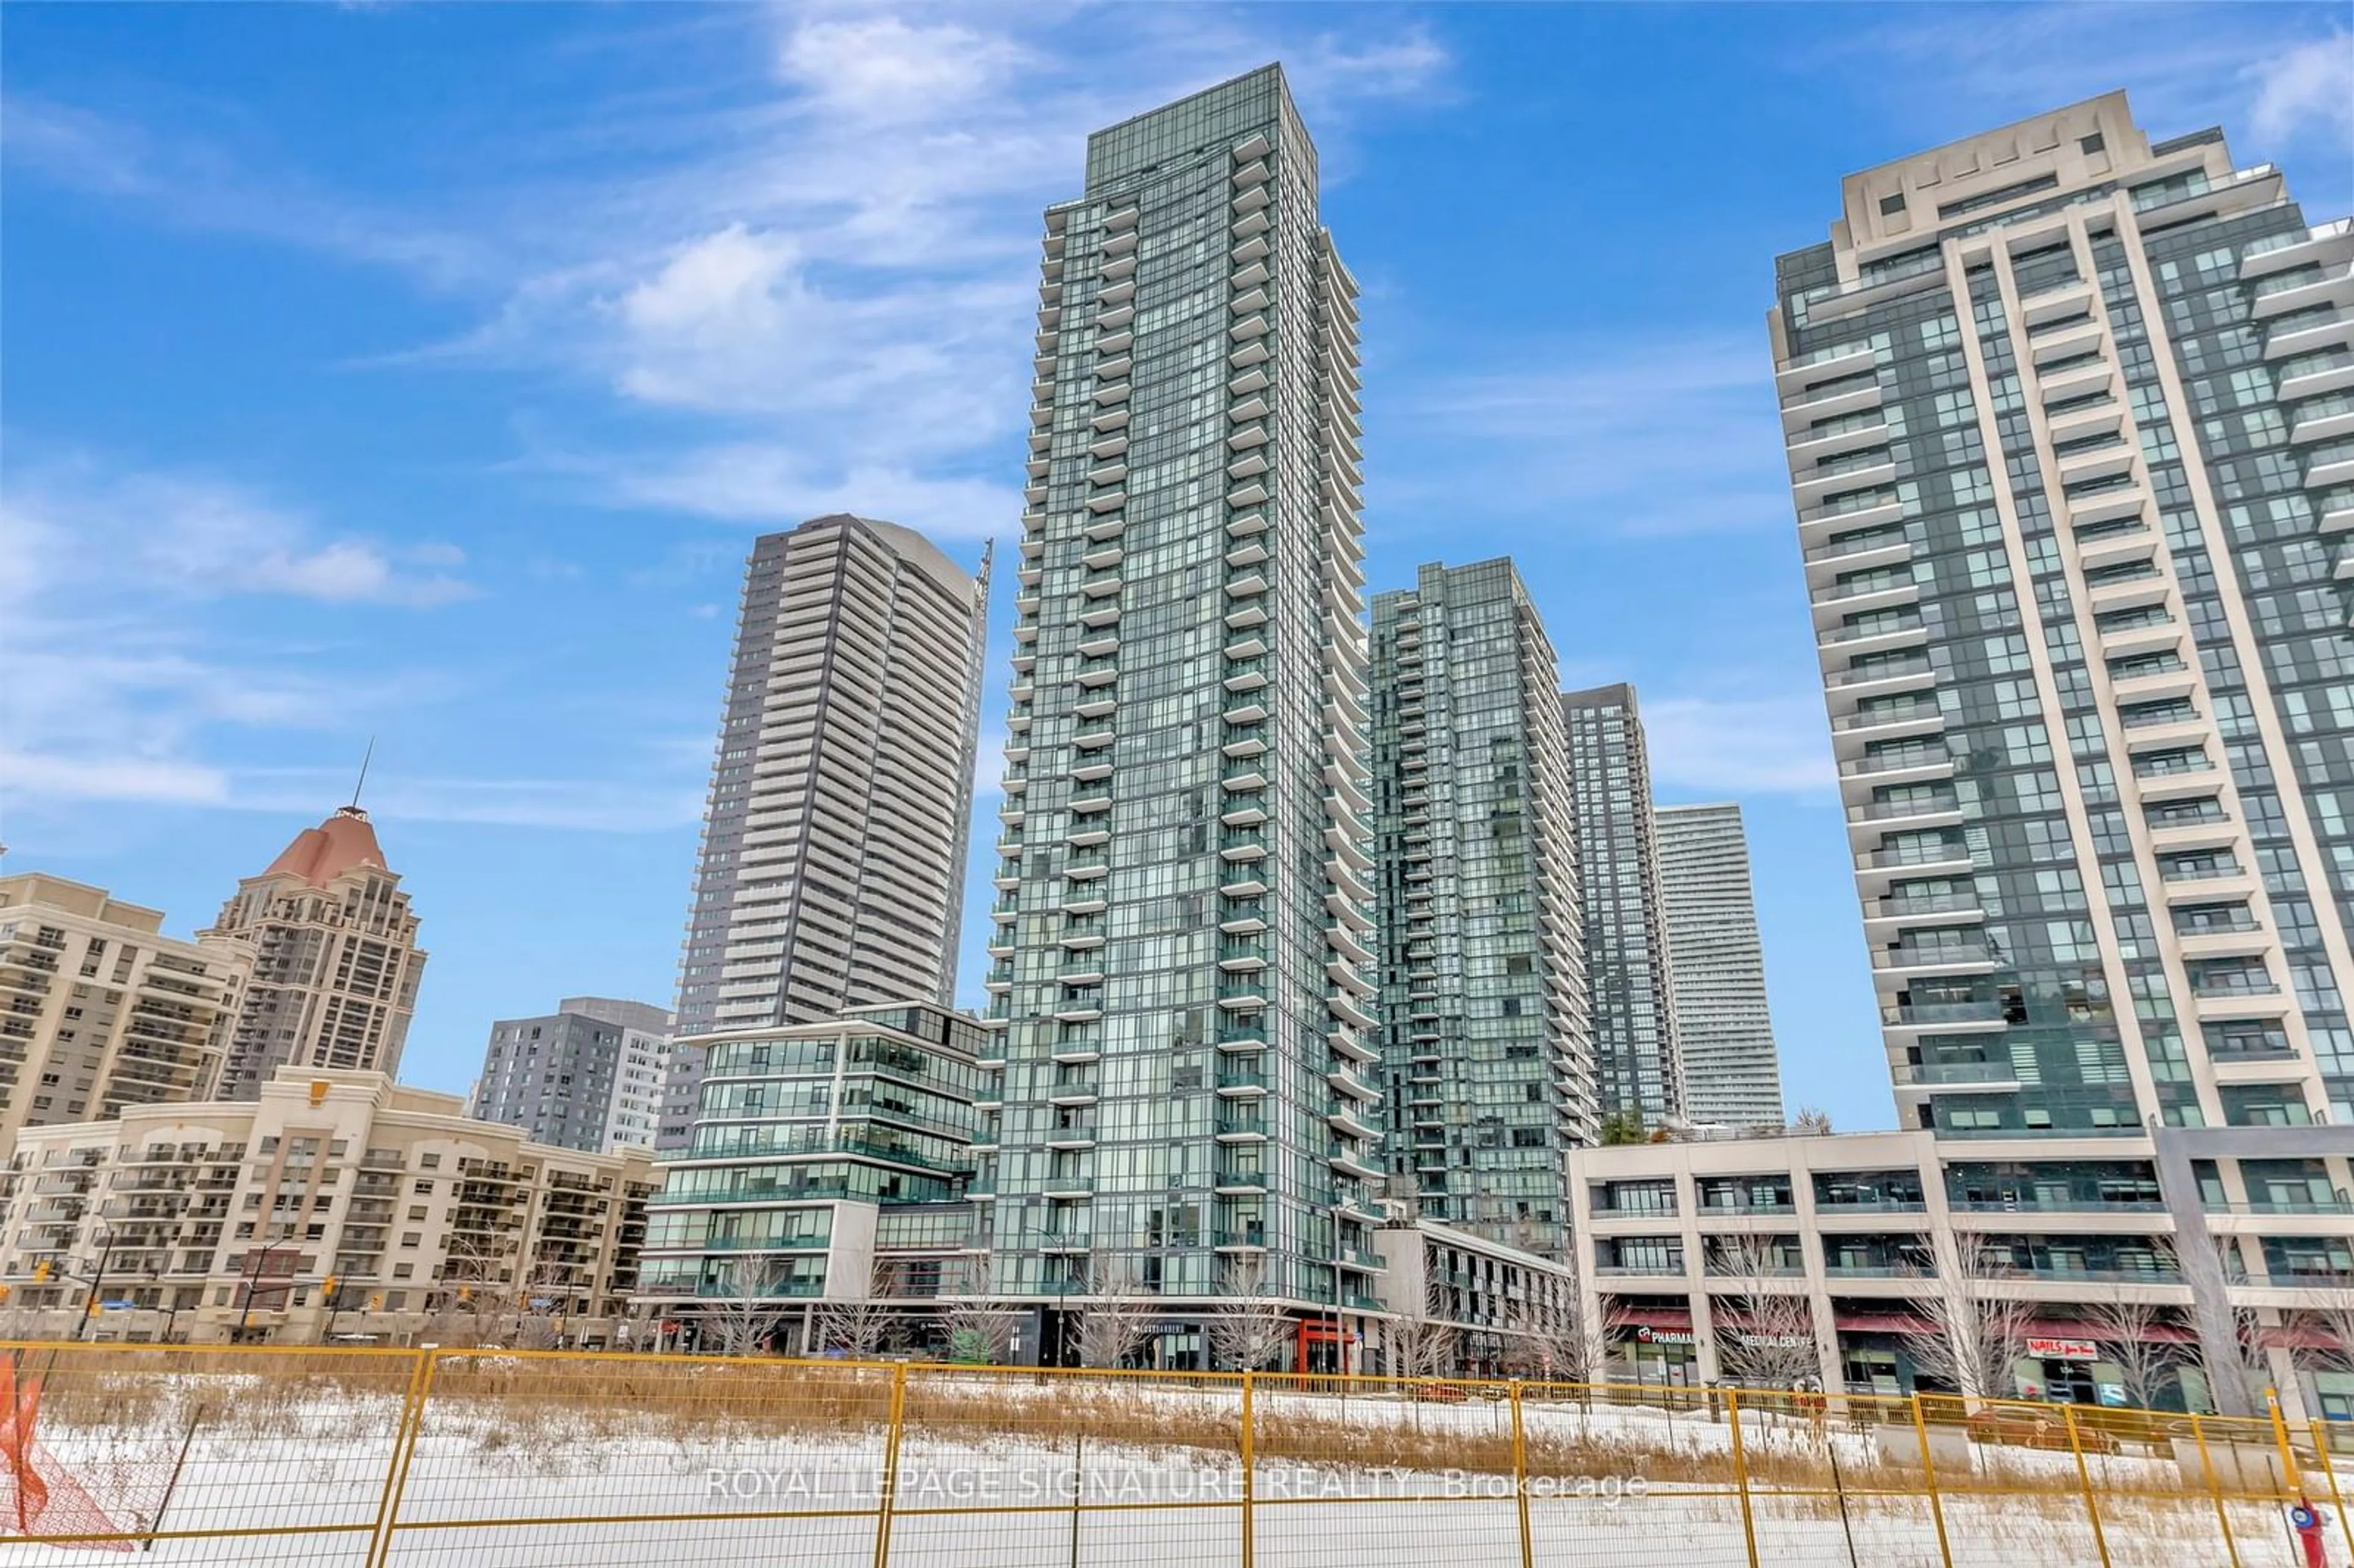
[(2328, 1463), (1250, 1483), (2215, 1489), (1520, 1479), (403, 1449), (1929, 1478), (2291, 1481), (889, 1488), (2084, 1475), (1740, 1475)]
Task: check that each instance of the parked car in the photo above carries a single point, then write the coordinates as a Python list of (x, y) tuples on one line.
[(2031, 1429), (1436, 1393)]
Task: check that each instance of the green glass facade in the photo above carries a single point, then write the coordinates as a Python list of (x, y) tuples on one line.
[(1487, 1065), (1638, 1061), (874, 1109), (1182, 909)]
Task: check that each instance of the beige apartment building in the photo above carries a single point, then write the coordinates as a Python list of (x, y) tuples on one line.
[(2067, 411), (2232, 1255), (335, 957), (100, 1010), (336, 1203)]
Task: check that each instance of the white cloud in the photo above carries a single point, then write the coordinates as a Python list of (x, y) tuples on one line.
[(1661, 437), (192, 535), (195, 182), (732, 324), (751, 483), (2267, 69), (1406, 63), (1733, 745), (124, 673), (2311, 82), (820, 220), (880, 68), (114, 779)]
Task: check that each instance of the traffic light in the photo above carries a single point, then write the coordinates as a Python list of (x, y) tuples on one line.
[(327, 1289), (95, 1306), (376, 1302), (4, 1292), (41, 1272)]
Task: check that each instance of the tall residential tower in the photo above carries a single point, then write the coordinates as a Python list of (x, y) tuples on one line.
[(2069, 415), (1184, 920), (335, 959), (1717, 966), (1486, 1051), (1639, 1069), (833, 846)]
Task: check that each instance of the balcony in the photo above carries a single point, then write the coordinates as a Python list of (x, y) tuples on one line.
[(1924, 1014), (1999, 1075), (1943, 958)]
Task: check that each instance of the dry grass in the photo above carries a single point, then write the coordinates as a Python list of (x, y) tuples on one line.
[(556, 1404)]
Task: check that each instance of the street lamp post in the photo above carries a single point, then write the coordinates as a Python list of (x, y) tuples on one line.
[(252, 1268), (89, 1302), (1339, 1340), (1062, 1314)]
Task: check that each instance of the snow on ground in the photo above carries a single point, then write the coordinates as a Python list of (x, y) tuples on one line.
[(603, 1491)]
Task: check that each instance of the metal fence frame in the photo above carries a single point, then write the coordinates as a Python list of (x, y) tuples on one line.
[(1509, 1431)]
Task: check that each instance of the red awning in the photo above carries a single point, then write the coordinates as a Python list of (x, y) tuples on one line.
[(2295, 1337), (1655, 1318), (2154, 1333), (2040, 1328)]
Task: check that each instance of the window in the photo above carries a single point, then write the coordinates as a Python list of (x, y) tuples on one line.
[(1890, 206), (2092, 143)]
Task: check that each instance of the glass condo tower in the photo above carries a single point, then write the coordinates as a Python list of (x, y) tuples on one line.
[(1188, 1106)]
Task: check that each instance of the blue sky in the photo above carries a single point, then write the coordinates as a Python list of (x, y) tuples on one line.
[(423, 372)]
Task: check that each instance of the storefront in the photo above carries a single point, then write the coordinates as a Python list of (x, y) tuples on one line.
[(1874, 1351), (2067, 1371), (1661, 1350), (1319, 1347)]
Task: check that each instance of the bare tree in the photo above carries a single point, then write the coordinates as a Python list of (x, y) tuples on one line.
[(1810, 1122), (2326, 1316), (2128, 1327), (978, 1328), (1973, 1330), (1421, 1342), (744, 1320), (981, 1332), (1770, 1341), (1116, 1318), (2237, 1377), (1248, 1327), (1565, 1343), (861, 1325)]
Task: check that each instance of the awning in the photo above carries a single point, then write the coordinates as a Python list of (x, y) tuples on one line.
[(1655, 1318), (2038, 1328)]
